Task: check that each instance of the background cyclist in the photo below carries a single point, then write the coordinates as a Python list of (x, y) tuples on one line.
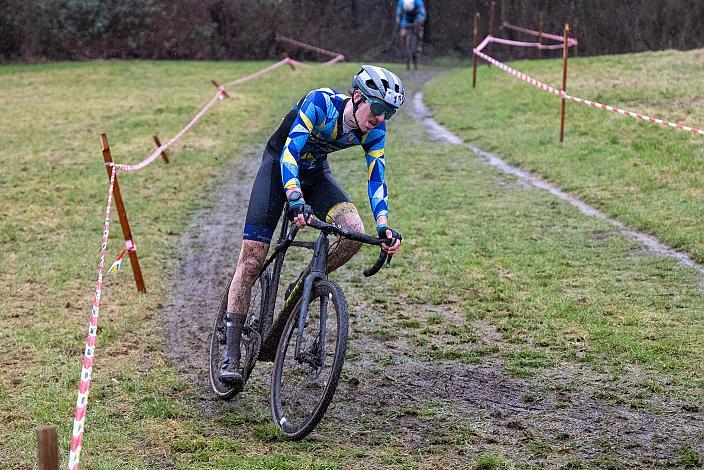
[(410, 14), (294, 168)]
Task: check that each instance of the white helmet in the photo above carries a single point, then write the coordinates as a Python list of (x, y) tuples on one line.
[(409, 5), (377, 82)]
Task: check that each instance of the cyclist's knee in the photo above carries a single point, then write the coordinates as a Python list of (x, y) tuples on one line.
[(345, 215), (251, 258)]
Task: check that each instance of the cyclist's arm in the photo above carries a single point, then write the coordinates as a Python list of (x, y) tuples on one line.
[(313, 107), (420, 16), (399, 11), (373, 145)]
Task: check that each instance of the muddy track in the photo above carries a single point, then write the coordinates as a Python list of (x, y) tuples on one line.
[(441, 411)]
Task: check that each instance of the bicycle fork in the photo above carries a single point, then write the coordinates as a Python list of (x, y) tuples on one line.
[(318, 271)]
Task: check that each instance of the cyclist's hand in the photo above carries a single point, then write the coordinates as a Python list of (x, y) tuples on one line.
[(417, 27), (300, 214), (392, 237)]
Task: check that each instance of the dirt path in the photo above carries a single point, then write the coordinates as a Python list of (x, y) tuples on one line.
[(433, 410)]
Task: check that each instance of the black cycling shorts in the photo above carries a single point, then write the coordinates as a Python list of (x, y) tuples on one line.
[(266, 203)]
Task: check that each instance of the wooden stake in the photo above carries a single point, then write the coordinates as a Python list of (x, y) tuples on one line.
[(126, 232), (217, 85), (475, 38), (288, 61), (565, 54), (47, 448), (163, 154), (540, 34)]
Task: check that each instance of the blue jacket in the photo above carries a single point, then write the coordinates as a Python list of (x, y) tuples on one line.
[(406, 20)]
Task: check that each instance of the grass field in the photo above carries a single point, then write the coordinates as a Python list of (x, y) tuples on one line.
[(481, 253), (645, 175)]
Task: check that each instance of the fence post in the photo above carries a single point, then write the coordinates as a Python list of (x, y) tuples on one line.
[(163, 153), (124, 223), (474, 45), (540, 34), (47, 448), (565, 54)]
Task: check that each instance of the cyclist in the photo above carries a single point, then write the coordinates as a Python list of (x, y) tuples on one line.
[(410, 14), (294, 168)]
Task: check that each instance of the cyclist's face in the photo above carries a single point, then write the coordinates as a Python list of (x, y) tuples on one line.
[(365, 117)]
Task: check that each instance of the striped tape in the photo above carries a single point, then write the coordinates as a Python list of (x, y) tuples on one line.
[(87, 369), (537, 45), (593, 104), (554, 37), (309, 47), (218, 95)]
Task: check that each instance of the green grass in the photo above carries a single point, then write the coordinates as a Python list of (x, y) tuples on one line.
[(54, 189), (646, 175), (557, 286)]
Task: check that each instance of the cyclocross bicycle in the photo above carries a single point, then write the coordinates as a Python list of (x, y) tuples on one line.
[(306, 341), (411, 54)]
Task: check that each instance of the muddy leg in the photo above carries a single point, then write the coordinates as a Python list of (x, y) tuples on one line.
[(250, 261), (252, 256), (346, 216)]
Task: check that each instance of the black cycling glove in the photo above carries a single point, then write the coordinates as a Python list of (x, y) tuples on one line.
[(394, 235), (300, 208)]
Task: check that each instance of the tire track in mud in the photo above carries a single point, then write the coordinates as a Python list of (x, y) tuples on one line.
[(434, 413)]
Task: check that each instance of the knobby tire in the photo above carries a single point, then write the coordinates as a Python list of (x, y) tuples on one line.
[(286, 395)]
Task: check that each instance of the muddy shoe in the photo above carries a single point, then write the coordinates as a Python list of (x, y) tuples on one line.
[(230, 373), (230, 367)]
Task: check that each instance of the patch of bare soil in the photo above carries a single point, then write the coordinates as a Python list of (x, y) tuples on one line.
[(426, 382)]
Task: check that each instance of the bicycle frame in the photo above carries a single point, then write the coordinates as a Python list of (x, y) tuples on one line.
[(316, 269)]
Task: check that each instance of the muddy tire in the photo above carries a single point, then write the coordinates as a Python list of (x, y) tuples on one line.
[(251, 336), (301, 390)]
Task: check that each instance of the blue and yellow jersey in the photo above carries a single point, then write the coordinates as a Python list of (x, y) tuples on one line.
[(317, 130)]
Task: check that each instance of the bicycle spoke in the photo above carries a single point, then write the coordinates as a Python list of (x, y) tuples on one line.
[(304, 380), (304, 385)]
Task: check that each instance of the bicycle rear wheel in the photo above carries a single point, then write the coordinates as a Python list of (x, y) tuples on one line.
[(303, 387), (251, 335)]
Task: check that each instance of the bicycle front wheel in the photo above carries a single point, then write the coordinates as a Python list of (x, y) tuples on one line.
[(303, 384)]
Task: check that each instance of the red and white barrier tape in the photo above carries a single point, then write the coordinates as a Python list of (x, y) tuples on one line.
[(332, 54), (538, 45), (259, 73), (554, 37), (334, 60), (218, 95), (296, 63), (160, 150), (564, 95), (129, 248), (86, 370)]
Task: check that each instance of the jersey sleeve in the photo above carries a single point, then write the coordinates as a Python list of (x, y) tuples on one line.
[(421, 10), (312, 112), (373, 144), (399, 11)]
